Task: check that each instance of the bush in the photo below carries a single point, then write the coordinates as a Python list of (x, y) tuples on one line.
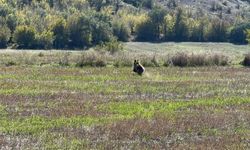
[(180, 59), (24, 36), (218, 31), (184, 60), (248, 35), (11, 22), (10, 63), (4, 36), (64, 60), (101, 30), (150, 61), (45, 40), (238, 35), (121, 31), (197, 60), (91, 59), (146, 31), (218, 59), (79, 29), (246, 61), (113, 46), (60, 34), (180, 28), (123, 62)]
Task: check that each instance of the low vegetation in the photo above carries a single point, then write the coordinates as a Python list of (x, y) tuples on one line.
[(55, 107), (184, 60)]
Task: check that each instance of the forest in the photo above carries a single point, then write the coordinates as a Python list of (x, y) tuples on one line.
[(80, 24)]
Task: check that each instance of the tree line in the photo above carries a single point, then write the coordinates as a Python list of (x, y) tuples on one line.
[(69, 24)]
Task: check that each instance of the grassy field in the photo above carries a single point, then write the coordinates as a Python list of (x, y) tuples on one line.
[(52, 106)]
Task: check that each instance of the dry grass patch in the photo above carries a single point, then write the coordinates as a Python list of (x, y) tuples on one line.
[(184, 60)]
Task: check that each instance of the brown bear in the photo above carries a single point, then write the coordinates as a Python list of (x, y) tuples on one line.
[(138, 68)]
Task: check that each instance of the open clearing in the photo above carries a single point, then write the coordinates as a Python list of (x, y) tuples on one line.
[(57, 107)]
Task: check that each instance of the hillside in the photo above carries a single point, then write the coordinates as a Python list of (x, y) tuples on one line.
[(230, 10)]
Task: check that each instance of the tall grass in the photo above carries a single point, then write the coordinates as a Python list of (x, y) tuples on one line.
[(91, 59), (119, 59), (185, 60)]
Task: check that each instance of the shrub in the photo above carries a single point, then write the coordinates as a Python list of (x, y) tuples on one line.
[(180, 59), (121, 31), (238, 34), (246, 61), (79, 29), (11, 22), (180, 27), (4, 36), (101, 31), (90, 59), (24, 36), (197, 60), (146, 31), (113, 46), (60, 34), (218, 59), (122, 59), (218, 31), (184, 60), (248, 35), (41, 54), (10, 63), (150, 61), (123, 62), (45, 40), (64, 60)]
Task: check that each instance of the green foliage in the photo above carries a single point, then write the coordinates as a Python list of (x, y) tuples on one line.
[(248, 35), (87, 23), (113, 46), (79, 28), (11, 22), (152, 28), (238, 35), (24, 36), (181, 27), (157, 16), (60, 34), (4, 10), (150, 109), (4, 36), (168, 27), (218, 31), (45, 40), (141, 3), (198, 32), (101, 29), (146, 31), (121, 31), (96, 3), (88, 29)]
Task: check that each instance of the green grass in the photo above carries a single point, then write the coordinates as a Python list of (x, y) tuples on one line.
[(150, 109), (55, 107), (38, 124)]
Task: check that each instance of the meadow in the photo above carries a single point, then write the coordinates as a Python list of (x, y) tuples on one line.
[(47, 101)]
